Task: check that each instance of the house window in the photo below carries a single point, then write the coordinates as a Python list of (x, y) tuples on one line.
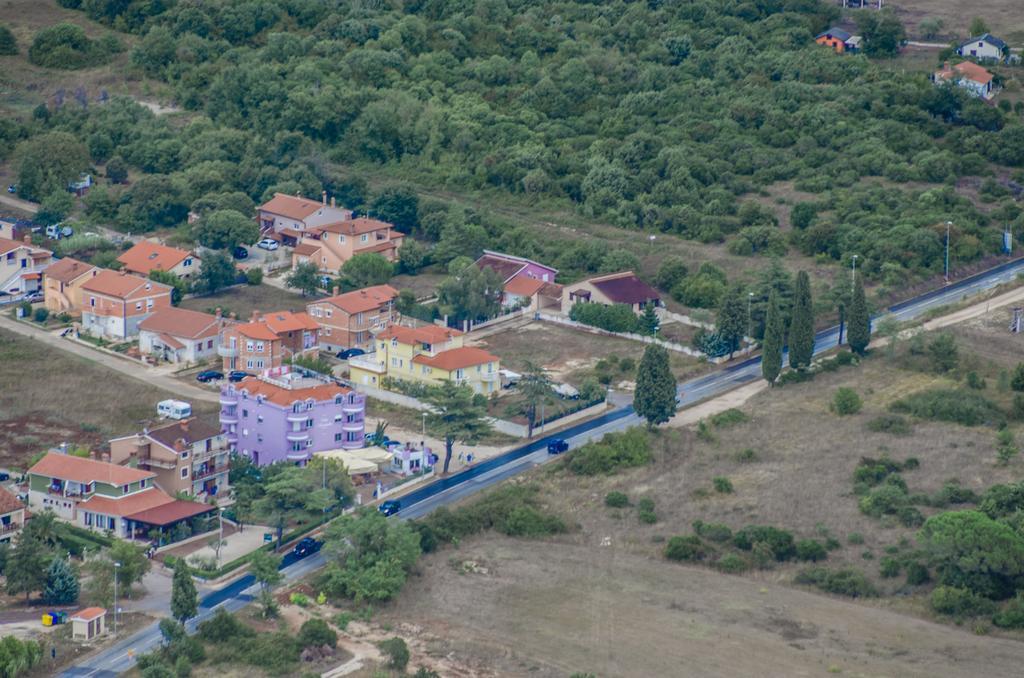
[(327, 331), (111, 524), (142, 483), (249, 346), (359, 318), (296, 447), (341, 239), (364, 237), (199, 346), (259, 364), (338, 437), (248, 363), (187, 262), (459, 374), (337, 400), (245, 413), (124, 489), (309, 423), (351, 436), (351, 418), (92, 301), (184, 472), (296, 407), (337, 418), (209, 344), (329, 313), (394, 362), (259, 418), (259, 437), (184, 455), (88, 519), (259, 347)]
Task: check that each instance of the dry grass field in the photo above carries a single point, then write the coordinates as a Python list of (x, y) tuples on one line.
[(48, 397), (244, 299), (1004, 17)]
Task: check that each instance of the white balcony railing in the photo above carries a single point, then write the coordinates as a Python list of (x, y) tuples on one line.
[(227, 351), (368, 363)]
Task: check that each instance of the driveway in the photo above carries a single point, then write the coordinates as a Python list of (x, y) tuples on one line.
[(135, 371), (18, 203)]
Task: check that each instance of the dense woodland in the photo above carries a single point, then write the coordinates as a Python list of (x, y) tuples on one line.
[(662, 116)]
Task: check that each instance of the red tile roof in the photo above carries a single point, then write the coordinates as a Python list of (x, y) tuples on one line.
[(171, 512), (7, 245), (82, 470), (306, 249), (291, 206), (356, 226), (88, 614), (286, 321), (67, 269), (285, 397), (625, 288), (523, 287), (9, 502), (147, 499), (428, 334), (122, 285), (966, 69), (456, 358), (146, 256), (366, 299), (181, 322), (256, 330)]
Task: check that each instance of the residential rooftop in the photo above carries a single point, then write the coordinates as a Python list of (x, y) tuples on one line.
[(83, 470), (146, 256)]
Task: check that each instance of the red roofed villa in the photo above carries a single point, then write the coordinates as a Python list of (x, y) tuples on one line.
[(147, 256), (350, 320), (614, 288)]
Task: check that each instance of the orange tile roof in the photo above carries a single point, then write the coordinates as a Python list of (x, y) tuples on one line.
[(256, 330), (146, 256), (123, 285), (181, 322), (7, 245), (366, 299), (456, 358), (428, 334), (82, 470), (9, 502), (974, 72), (356, 226), (286, 321), (67, 269), (291, 206), (306, 249), (88, 614), (285, 397), (149, 498), (171, 512), (522, 286)]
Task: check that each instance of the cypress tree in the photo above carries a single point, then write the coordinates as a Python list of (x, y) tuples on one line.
[(801, 330), (184, 599), (649, 321), (732, 318), (655, 397), (61, 587), (774, 335), (859, 332)]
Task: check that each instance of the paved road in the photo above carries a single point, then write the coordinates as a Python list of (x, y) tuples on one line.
[(461, 485), (126, 367)]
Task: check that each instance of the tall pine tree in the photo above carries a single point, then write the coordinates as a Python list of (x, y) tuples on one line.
[(184, 599), (859, 330), (655, 396), (649, 321), (26, 568), (774, 337), (801, 329), (732, 318), (61, 587)]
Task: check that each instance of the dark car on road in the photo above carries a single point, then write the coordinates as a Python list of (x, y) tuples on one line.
[(209, 375), (306, 547), (350, 353), (240, 253), (390, 507), (237, 375), (557, 446), (4, 476)]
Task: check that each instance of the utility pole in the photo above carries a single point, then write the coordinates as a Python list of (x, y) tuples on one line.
[(750, 331), (220, 532), (948, 224), (116, 566), (424, 415), (853, 273)]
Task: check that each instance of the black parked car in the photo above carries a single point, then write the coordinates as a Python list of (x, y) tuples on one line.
[(209, 375), (350, 353), (237, 375), (390, 507), (306, 547), (240, 253), (557, 446)]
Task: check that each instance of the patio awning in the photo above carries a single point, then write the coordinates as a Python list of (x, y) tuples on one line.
[(171, 512), (355, 465)]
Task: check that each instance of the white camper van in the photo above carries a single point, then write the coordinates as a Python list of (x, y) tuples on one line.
[(174, 409)]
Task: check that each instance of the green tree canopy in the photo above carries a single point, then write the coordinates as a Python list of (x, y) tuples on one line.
[(216, 272), (47, 163), (370, 556), (61, 586), (184, 598), (363, 270), (471, 293), (655, 395), (225, 229), (457, 416), (858, 333), (731, 323), (8, 43), (304, 277), (774, 339), (801, 329), (970, 550)]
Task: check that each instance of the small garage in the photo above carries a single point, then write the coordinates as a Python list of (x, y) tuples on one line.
[(89, 623)]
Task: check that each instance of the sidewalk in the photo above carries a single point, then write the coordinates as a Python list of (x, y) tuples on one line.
[(140, 372)]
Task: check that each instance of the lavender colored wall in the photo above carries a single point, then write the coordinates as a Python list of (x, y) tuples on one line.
[(267, 441), (538, 272)]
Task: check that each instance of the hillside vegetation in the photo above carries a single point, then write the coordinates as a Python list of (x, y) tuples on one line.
[(650, 115)]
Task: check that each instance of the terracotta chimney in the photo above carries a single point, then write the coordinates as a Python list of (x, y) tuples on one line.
[(28, 237), (233, 315), (335, 290), (333, 204), (217, 314), (179, 445), (255, 315), (123, 272), (323, 198)]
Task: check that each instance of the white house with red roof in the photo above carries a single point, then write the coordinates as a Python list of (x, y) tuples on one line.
[(179, 335), (350, 320), (291, 216), (147, 256), (21, 267), (114, 303), (331, 245), (969, 76)]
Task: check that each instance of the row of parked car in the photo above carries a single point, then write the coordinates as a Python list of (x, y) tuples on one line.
[(206, 376)]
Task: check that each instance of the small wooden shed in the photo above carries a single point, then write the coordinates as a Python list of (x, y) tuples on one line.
[(88, 623)]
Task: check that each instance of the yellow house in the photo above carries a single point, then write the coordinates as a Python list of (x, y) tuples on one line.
[(429, 355), (62, 285)]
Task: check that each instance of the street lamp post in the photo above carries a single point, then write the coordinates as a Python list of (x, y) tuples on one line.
[(117, 565), (220, 532), (424, 415), (853, 273), (750, 298), (948, 224)]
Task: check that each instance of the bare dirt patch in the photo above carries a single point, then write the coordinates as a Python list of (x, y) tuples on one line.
[(1003, 17), (244, 299)]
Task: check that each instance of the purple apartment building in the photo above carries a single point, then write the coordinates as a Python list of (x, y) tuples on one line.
[(282, 416)]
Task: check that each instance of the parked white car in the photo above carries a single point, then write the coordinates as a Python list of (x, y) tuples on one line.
[(58, 231), (565, 391), (268, 244)]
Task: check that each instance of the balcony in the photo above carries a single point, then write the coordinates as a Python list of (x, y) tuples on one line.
[(228, 400), (298, 417), (489, 376), (210, 471), (367, 363), (227, 351), (353, 426), (353, 408), (10, 527), (296, 436), (228, 417), (298, 456)]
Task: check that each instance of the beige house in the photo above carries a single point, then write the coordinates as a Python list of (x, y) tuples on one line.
[(614, 288), (21, 266), (89, 623), (179, 335), (114, 303), (147, 256), (12, 516), (331, 245), (189, 456), (350, 320), (62, 285), (291, 216)]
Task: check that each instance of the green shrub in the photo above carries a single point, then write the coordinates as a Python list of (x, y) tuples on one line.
[(316, 632), (254, 275), (65, 46), (223, 627), (844, 582), (722, 485), (1002, 500), (716, 532), (952, 493), (746, 456), (512, 510), (611, 317), (886, 499), (300, 599), (1012, 614), (855, 538), (732, 563), (396, 651), (615, 451), (689, 548), (974, 381), (967, 408), (890, 423), (730, 417), (645, 510), (958, 602), (780, 541), (917, 574), (616, 500), (889, 567), (40, 315), (910, 516), (845, 401), (810, 550)]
